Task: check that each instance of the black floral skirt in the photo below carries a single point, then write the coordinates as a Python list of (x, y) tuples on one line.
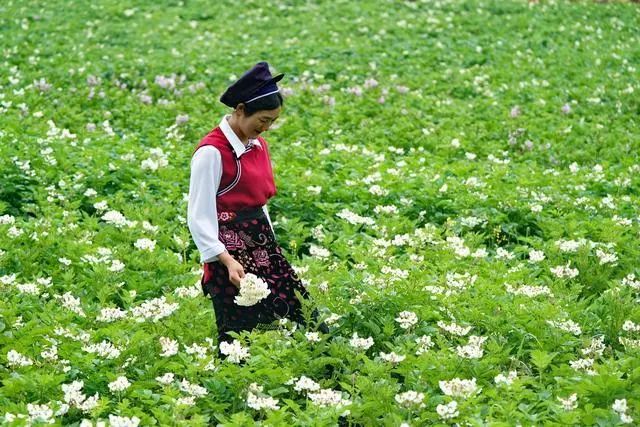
[(248, 237)]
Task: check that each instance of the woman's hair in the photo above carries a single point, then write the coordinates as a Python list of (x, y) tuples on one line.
[(269, 102)]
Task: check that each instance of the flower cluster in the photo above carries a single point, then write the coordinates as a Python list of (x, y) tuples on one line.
[(234, 351), (459, 388), (153, 309), (252, 290), (258, 401), (410, 399), (620, 407), (448, 411), (407, 319), (454, 329), (360, 343), (74, 396), (473, 350), (157, 159)]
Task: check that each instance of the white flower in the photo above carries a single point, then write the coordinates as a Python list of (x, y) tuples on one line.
[(504, 254), (606, 258), (182, 118), (454, 329), (116, 266), (570, 403), (328, 397), (64, 261), (459, 388), (193, 389), (89, 403), (7, 219), (407, 319), (199, 351), (391, 209), (314, 189), (154, 309), (628, 280), (116, 218), (14, 232), (101, 206), (318, 251), (567, 326), (28, 288), (360, 343), (73, 396), (584, 365), (145, 244), (235, 352), (16, 359), (629, 326), (626, 419), (536, 256), (312, 336), (73, 393), (186, 401), (257, 401), (149, 227), (529, 290), (104, 349), (564, 271), (156, 160), (305, 383), (120, 384), (166, 379), (473, 350), (410, 399), (41, 413), (117, 421), (506, 380), (8, 279), (448, 411), (424, 344), (392, 357), (596, 347), (50, 353), (620, 406), (353, 218), (71, 303), (570, 245), (332, 319), (169, 347), (252, 290)]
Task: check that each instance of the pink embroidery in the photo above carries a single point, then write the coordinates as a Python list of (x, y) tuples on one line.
[(231, 240), (226, 216), (261, 257)]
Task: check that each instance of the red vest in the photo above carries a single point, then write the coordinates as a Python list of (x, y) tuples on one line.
[(247, 182)]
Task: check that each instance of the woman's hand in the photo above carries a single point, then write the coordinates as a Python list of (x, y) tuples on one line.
[(236, 271)]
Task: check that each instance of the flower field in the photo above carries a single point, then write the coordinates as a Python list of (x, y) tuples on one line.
[(457, 187)]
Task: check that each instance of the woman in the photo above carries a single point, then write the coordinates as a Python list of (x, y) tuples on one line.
[(231, 182)]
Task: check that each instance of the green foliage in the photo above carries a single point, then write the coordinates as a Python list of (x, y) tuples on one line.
[(425, 149)]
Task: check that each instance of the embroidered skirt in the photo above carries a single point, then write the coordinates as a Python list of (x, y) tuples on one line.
[(248, 237)]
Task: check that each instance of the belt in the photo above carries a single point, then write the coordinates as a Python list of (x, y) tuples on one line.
[(239, 216)]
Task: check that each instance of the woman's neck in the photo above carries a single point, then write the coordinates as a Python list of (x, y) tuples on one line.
[(234, 126)]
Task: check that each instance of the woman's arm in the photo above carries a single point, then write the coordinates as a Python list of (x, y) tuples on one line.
[(266, 212), (202, 215)]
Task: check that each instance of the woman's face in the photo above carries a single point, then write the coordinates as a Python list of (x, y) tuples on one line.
[(260, 121)]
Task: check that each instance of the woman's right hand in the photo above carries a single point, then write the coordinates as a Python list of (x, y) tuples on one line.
[(236, 271)]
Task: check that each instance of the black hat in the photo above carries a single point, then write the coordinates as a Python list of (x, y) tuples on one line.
[(254, 84)]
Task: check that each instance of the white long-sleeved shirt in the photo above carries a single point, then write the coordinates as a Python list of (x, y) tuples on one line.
[(202, 214)]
